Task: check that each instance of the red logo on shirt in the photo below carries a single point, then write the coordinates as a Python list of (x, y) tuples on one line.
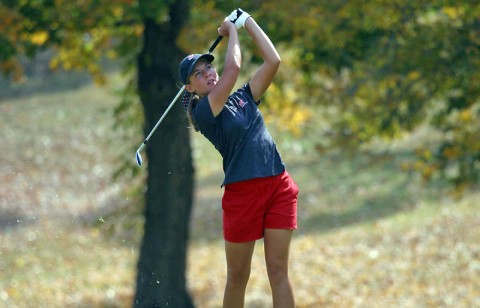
[(241, 103)]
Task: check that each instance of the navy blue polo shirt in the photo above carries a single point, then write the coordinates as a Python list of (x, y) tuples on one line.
[(240, 135)]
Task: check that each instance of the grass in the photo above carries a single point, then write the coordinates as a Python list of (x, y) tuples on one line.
[(369, 234)]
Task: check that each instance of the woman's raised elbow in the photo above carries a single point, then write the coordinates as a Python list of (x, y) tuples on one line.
[(275, 62), (235, 67)]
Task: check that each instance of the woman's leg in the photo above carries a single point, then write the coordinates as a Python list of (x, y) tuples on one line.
[(277, 248), (239, 260)]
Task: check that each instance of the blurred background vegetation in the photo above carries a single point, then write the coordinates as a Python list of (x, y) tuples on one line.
[(375, 108), (383, 69)]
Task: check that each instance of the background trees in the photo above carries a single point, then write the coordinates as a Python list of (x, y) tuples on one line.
[(378, 70), (381, 69), (83, 34)]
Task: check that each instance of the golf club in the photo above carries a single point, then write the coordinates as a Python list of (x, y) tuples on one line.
[(138, 156)]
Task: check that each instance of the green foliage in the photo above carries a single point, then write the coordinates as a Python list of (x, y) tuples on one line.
[(352, 70), (82, 32), (383, 68)]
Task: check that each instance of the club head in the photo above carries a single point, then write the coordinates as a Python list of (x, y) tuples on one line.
[(139, 159)]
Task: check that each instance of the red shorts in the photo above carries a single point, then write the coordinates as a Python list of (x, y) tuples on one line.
[(251, 206)]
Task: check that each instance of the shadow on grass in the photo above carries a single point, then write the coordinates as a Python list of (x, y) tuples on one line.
[(365, 210), (339, 191), (10, 219)]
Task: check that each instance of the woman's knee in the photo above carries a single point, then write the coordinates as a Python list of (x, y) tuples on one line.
[(277, 269), (277, 247), (238, 275)]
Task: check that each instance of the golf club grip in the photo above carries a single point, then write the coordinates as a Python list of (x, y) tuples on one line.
[(219, 38)]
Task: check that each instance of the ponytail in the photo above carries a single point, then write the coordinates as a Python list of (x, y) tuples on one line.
[(191, 104)]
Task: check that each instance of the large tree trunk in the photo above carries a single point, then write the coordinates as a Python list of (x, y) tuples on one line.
[(161, 278)]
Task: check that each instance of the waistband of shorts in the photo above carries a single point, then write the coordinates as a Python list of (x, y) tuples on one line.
[(255, 181)]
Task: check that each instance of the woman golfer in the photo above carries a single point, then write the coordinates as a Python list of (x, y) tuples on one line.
[(260, 198)]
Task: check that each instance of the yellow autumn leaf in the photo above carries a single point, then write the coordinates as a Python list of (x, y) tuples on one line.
[(67, 64), (451, 152), (423, 153), (466, 115), (452, 12), (39, 38), (118, 11), (414, 75), (54, 63), (428, 171), (111, 54)]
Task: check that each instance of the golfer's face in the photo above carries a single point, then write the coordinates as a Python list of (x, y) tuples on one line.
[(203, 78)]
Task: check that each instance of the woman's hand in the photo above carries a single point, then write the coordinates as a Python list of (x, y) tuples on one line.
[(226, 27), (238, 17)]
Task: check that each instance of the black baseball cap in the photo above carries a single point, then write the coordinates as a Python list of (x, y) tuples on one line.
[(188, 63)]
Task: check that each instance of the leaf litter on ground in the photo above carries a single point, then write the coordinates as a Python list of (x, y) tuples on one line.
[(369, 236)]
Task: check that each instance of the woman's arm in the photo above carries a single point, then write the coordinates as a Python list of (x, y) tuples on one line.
[(219, 95), (263, 77)]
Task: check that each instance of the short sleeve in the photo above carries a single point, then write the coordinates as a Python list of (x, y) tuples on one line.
[(202, 114)]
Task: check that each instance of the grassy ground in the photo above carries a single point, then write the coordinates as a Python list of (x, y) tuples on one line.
[(370, 235)]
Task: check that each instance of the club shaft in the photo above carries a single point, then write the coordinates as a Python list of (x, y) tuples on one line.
[(214, 45), (219, 38), (164, 114)]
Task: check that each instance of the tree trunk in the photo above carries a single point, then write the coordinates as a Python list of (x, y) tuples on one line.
[(161, 277)]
